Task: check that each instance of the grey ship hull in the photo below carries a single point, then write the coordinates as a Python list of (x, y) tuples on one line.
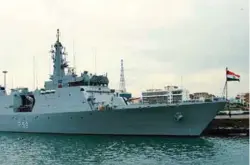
[(139, 121)]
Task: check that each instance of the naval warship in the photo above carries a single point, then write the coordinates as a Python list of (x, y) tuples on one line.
[(84, 104)]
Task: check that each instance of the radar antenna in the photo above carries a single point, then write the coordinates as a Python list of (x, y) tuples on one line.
[(58, 35)]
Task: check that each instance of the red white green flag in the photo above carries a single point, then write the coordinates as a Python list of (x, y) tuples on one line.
[(231, 76)]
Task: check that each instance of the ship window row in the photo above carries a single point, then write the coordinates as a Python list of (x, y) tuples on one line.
[(176, 92), (176, 98), (161, 93), (155, 96), (157, 99), (154, 93), (163, 99)]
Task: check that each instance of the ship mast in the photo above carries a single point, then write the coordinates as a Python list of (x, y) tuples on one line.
[(59, 61)]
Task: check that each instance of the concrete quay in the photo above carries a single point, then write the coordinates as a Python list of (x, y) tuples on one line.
[(223, 125)]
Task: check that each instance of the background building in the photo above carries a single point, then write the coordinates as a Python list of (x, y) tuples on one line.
[(201, 96), (170, 94), (243, 99)]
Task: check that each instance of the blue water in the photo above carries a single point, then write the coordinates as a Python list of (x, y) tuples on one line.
[(32, 149)]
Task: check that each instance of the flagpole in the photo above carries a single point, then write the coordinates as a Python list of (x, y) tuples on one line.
[(226, 84), (228, 103)]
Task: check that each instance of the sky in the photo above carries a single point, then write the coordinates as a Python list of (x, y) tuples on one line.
[(162, 42)]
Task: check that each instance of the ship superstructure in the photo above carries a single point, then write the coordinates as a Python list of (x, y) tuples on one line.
[(60, 78), (85, 104)]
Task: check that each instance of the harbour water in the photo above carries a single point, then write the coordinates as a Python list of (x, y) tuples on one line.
[(32, 149)]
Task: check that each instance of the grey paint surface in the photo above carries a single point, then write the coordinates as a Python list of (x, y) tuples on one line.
[(139, 121)]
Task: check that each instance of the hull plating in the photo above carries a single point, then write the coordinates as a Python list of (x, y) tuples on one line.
[(139, 121)]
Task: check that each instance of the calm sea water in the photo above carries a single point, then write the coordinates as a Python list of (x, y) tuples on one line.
[(40, 149)]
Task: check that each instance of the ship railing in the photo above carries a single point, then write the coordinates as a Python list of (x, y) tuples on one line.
[(204, 100), (192, 101)]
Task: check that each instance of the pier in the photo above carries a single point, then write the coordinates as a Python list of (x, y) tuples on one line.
[(223, 125)]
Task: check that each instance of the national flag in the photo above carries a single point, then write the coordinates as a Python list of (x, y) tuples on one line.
[(231, 76)]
